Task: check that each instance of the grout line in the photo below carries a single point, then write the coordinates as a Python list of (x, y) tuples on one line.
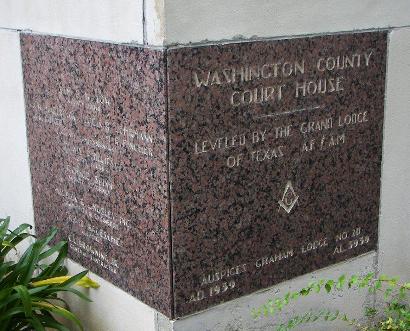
[(168, 168), (112, 42), (144, 23), (278, 37), (377, 262), (26, 126), (156, 323), (10, 29), (177, 45)]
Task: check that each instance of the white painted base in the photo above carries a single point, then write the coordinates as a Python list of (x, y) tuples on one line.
[(394, 229), (115, 310), (235, 315)]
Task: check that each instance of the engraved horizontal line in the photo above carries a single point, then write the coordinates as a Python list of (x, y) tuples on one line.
[(298, 110)]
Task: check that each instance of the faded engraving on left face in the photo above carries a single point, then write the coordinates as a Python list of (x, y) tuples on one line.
[(97, 143)]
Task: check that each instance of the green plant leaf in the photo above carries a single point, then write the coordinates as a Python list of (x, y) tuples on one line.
[(5, 267), (255, 313), (25, 299), (52, 323), (53, 267), (10, 298), (329, 285), (14, 242), (20, 229), (60, 311), (52, 250), (294, 295), (354, 279), (397, 310), (7, 244), (22, 306), (10, 313), (4, 225), (370, 311), (5, 293), (317, 287), (340, 282), (74, 279), (31, 263), (35, 322), (64, 281)]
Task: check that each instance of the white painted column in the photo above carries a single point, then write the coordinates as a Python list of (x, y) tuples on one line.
[(188, 21), (15, 185), (394, 232), (108, 20)]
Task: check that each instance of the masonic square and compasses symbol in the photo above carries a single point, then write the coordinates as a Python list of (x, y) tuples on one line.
[(289, 198)]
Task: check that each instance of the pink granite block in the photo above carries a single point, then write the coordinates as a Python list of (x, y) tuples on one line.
[(191, 176)]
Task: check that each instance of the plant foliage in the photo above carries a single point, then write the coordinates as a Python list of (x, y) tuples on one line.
[(395, 314), (29, 286)]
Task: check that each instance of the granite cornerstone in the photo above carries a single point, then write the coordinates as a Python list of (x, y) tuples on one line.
[(189, 176)]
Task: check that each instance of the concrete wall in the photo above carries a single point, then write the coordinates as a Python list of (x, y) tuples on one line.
[(160, 22)]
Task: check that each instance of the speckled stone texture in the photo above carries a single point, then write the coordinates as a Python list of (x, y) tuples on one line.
[(266, 155), (96, 122), (230, 234)]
